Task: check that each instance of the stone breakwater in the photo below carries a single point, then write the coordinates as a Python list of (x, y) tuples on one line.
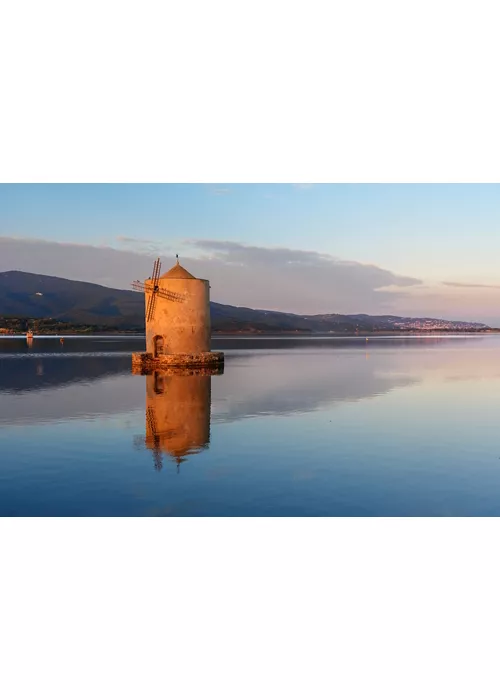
[(178, 371), (146, 361)]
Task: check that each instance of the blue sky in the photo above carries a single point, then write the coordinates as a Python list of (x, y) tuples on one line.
[(395, 226), (433, 233)]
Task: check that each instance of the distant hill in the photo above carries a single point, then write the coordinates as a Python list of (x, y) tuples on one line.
[(26, 295), (40, 296)]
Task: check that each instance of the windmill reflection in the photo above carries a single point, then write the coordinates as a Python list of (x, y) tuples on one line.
[(177, 413)]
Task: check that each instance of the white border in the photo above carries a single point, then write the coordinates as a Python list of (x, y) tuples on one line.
[(264, 92)]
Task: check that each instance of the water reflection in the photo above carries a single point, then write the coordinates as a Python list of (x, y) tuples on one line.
[(50, 386), (317, 428), (31, 374), (177, 413), (286, 383), (91, 376)]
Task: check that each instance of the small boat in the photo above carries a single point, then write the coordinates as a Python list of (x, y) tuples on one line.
[(29, 334)]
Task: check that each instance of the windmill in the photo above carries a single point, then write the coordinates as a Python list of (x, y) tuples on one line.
[(152, 287), (177, 335), (151, 422)]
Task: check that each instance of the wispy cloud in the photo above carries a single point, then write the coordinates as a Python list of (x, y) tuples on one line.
[(233, 251), (142, 245), (298, 280), (129, 239), (303, 185), (467, 285)]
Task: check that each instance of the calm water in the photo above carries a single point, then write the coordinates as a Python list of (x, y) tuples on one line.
[(393, 426)]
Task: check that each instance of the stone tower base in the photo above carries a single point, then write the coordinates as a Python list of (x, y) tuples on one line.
[(146, 361), (185, 371)]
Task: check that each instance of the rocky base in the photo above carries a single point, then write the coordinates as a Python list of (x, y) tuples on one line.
[(207, 371), (146, 362)]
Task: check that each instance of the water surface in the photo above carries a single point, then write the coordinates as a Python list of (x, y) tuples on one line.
[(294, 426)]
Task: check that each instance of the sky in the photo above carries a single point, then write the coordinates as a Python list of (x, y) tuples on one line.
[(307, 248)]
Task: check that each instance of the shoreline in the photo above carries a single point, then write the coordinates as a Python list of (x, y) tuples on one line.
[(268, 334)]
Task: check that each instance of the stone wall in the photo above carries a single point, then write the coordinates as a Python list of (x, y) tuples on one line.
[(146, 360)]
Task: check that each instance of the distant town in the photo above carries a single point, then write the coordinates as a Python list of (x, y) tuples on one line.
[(50, 326), (429, 324), (47, 305)]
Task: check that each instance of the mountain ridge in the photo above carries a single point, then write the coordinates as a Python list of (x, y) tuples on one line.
[(31, 295)]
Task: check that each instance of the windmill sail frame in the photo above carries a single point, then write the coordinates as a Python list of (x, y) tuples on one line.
[(152, 287)]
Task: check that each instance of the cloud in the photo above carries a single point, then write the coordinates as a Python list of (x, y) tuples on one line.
[(142, 245), (303, 185), (231, 251), (129, 239), (283, 279), (471, 286), (286, 279), (268, 278), (455, 301), (77, 261)]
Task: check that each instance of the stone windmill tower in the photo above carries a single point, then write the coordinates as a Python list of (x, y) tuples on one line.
[(177, 308)]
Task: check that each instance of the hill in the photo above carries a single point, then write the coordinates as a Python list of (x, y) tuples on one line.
[(23, 294), (26, 295)]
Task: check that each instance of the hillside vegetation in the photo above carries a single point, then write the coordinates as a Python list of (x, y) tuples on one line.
[(25, 295)]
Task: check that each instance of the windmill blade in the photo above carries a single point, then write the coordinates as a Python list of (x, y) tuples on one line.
[(171, 296), (138, 286), (154, 269), (151, 420), (151, 305), (157, 459), (149, 308), (156, 272), (154, 290), (151, 286)]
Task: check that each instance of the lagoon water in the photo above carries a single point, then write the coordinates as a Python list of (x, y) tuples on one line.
[(404, 426)]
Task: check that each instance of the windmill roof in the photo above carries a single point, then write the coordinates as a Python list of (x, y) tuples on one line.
[(177, 272)]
